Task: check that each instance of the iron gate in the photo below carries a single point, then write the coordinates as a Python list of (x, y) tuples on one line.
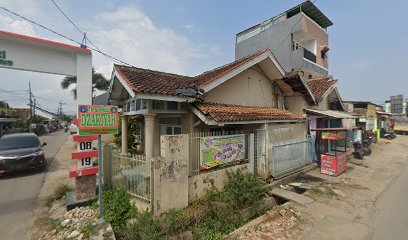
[(292, 156)]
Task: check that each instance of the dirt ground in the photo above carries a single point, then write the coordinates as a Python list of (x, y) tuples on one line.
[(343, 205), (56, 176)]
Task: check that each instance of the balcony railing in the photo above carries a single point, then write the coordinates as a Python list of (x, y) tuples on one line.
[(309, 55)]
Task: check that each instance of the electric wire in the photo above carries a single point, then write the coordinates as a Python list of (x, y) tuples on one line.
[(85, 35), (65, 37)]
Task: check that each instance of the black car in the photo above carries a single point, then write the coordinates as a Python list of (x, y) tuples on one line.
[(21, 151)]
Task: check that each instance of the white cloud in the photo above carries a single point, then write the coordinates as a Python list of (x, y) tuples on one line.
[(18, 26), (190, 27), (128, 34)]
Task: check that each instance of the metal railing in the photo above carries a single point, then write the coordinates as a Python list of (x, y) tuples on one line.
[(132, 172), (309, 55), (291, 156), (194, 146)]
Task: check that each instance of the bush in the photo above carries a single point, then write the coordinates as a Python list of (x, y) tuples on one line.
[(242, 189), (117, 207), (145, 227)]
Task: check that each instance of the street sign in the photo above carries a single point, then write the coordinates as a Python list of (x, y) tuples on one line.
[(98, 119)]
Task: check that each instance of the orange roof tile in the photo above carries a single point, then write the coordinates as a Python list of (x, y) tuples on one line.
[(209, 76), (235, 113), (155, 82), (319, 86)]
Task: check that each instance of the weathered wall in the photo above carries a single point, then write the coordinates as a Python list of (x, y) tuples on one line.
[(296, 104), (170, 182), (198, 183), (321, 37), (249, 88), (279, 133), (275, 38)]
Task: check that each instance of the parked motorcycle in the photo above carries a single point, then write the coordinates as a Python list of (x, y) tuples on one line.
[(358, 150), (366, 148)]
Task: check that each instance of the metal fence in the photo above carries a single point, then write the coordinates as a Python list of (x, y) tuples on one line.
[(292, 156), (132, 172), (194, 146)]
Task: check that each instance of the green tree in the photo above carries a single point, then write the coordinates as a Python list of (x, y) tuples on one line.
[(99, 82)]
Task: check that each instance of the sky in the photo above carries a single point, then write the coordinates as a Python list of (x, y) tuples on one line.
[(367, 40)]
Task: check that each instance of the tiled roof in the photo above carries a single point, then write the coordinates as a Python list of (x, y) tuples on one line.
[(318, 86), (359, 112), (155, 82), (209, 76), (235, 113)]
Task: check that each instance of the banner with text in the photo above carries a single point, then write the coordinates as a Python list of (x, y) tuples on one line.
[(218, 150)]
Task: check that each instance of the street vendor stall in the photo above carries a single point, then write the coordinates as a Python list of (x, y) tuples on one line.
[(331, 147)]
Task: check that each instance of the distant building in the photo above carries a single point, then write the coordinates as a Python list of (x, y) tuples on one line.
[(296, 37), (398, 105)]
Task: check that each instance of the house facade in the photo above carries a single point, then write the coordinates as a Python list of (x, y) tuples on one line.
[(247, 95), (304, 50)]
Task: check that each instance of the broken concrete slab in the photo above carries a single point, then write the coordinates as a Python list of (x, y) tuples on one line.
[(258, 207), (291, 196), (339, 192), (304, 186)]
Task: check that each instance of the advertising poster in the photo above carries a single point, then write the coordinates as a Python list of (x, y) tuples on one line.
[(218, 150)]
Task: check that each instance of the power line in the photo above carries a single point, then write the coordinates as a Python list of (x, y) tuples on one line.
[(65, 37)]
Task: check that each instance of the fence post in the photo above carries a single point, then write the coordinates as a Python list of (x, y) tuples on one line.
[(107, 166), (251, 148)]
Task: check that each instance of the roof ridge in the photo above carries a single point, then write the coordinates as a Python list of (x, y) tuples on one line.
[(154, 71), (235, 61), (236, 105)]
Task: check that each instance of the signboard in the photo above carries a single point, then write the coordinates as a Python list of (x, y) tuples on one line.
[(333, 165), (218, 150), (3, 59), (97, 119), (333, 135)]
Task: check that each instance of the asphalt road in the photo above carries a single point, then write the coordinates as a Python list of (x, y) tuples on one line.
[(18, 193), (391, 218)]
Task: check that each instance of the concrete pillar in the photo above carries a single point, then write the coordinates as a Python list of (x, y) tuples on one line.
[(149, 134), (125, 134), (84, 79), (251, 153)]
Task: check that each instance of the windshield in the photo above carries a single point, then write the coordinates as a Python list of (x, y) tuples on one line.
[(16, 142)]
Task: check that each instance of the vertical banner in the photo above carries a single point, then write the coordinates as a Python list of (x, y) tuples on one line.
[(219, 150)]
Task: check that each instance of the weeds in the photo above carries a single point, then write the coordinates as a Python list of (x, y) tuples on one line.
[(88, 230), (208, 218), (117, 206), (322, 192), (242, 189), (59, 193)]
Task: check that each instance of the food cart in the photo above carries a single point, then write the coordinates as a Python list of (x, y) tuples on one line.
[(331, 147)]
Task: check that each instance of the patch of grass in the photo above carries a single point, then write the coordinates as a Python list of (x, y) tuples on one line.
[(59, 193), (88, 230), (322, 192)]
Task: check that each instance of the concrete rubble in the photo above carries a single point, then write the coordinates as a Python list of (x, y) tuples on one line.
[(77, 223)]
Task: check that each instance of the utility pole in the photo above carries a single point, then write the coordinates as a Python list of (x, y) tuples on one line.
[(34, 107), (31, 106), (31, 99)]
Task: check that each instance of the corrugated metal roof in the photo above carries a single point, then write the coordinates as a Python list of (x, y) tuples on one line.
[(330, 113)]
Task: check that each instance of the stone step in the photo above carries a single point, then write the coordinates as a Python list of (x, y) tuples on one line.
[(291, 196)]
